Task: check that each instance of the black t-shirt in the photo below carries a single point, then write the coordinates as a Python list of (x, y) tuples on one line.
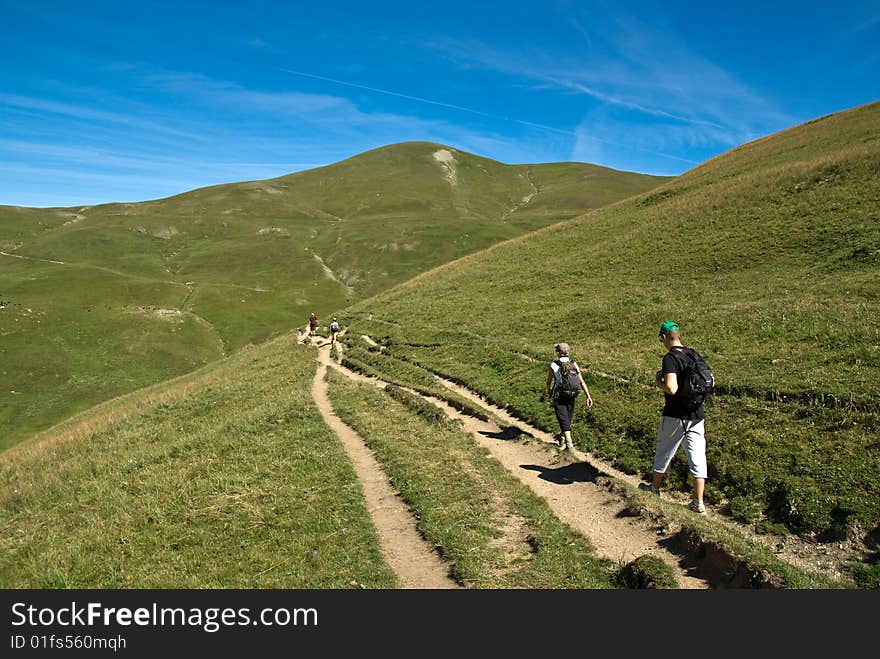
[(675, 362)]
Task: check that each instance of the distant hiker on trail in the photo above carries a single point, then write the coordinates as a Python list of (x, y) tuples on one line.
[(334, 328), (313, 324), (686, 382), (564, 383)]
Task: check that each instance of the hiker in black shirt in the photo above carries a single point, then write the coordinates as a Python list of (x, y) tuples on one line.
[(678, 424)]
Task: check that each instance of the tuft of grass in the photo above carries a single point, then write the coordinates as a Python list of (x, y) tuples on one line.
[(418, 405), (866, 575), (646, 572), (390, 368)]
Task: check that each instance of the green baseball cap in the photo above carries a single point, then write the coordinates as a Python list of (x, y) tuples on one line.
[(668, 326)]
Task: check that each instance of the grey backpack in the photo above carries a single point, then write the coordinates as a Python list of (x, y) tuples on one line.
[(569, 384)]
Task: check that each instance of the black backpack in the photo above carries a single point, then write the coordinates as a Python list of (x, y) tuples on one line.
[(697, 382), (569, 385)]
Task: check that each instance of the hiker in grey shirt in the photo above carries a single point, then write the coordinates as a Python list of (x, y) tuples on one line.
[(563, 403)]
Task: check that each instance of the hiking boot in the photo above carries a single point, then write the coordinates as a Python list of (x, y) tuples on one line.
[(560, 440), (697, 507), (648, 488), (569, 447)]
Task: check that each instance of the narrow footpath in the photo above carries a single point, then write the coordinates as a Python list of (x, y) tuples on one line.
[(574, 489), (791, 549), (415, 562), (584, 491)]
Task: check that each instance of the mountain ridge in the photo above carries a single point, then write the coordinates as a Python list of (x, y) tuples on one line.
[(124, 294)]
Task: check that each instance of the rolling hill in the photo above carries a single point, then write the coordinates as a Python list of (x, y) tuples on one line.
[(98, 301), (769, 258)]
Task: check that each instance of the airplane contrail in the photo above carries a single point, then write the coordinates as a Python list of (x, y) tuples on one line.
[(389, 93), (477, 112)]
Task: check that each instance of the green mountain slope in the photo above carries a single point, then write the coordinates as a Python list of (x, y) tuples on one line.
[(227, 477), (768, 256), (102, 300)]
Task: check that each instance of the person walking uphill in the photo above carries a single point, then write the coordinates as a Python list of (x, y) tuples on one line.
[(564, 383), (686, 382), (334, 330), (313, 324)]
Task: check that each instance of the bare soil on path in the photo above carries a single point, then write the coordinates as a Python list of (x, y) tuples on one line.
[(415, 562), (575, 491), (578, 494), (585, 493), (826, 559)]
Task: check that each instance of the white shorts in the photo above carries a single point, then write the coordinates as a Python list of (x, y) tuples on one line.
[(670, 435)]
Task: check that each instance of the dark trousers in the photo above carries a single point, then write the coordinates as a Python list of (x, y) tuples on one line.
[(564, 410)]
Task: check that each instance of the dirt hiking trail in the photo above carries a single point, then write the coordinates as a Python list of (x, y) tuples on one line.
[(414, 561), (828, 559), (576, 492)]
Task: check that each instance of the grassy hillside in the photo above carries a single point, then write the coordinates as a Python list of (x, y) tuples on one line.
[(224, 478), (98, 301), (768, 257), (229, 478)]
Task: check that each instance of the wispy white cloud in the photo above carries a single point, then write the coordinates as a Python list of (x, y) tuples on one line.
[(91, 177), (89, 158), (442, 104), (605, 139), (341, 118), (388, 92), (86, 112), (576, 134), (630, 105), (258, 44), (229, 132), (233, 96), (867, 23), (636, 68)]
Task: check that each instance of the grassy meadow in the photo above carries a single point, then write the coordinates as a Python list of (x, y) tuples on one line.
[(226, 478), (229, 478), (97, 301), (767, 256)]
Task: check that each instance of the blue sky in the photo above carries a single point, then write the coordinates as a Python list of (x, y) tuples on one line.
[(118, 101)]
